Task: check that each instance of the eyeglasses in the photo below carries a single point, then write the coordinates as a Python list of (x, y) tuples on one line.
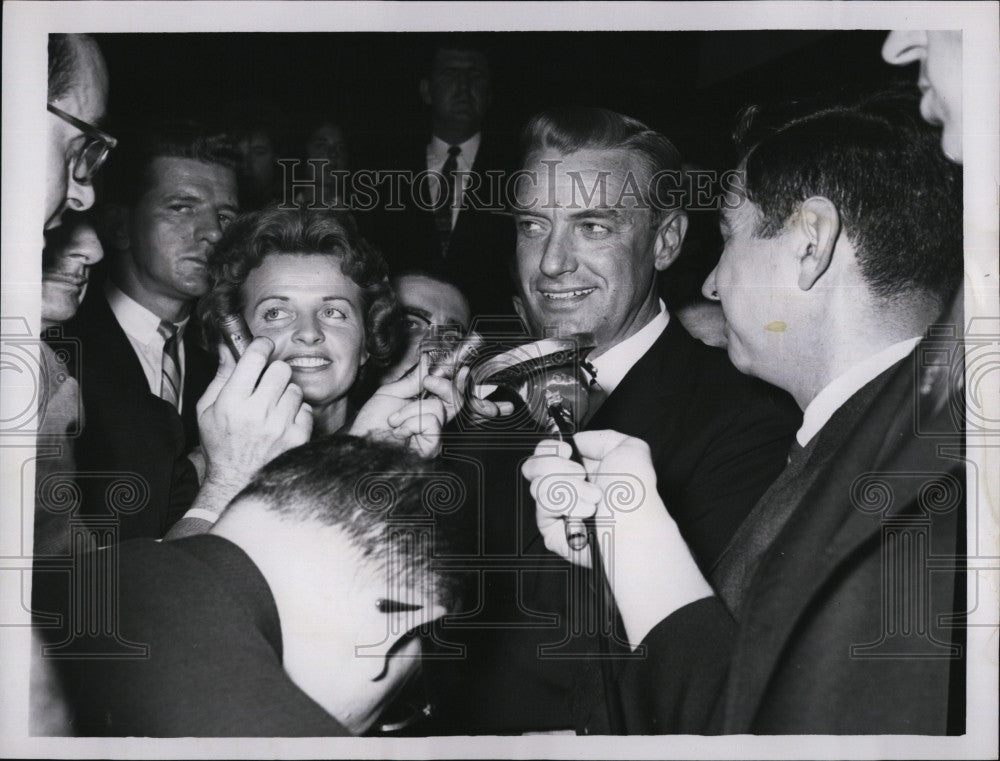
[(95, 149)]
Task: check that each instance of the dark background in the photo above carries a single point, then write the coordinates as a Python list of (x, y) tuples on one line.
[(688, 85)]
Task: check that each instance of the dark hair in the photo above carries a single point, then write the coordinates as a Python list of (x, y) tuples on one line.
[(463, 42), (277, 230), (129, 175), (431, 272), (382, 496), (571, 129), (899, 198)]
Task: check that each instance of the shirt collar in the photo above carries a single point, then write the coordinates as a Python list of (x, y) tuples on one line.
[(614, 364), (437, 152), (135, 319), (845, 385)]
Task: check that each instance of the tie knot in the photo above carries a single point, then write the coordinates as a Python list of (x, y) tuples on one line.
[(454, 150), (167, 329)]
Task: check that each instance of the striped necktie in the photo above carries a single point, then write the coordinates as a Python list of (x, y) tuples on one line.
[(170, 375)]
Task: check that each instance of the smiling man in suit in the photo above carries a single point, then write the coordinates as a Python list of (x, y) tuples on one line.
[(143, 370), (592, 235), (844, 249)]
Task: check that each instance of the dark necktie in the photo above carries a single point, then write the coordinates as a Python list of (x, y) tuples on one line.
[(170, 375), (442, 212), (596, 395)]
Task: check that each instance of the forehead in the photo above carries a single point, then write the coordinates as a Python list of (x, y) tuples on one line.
[(167, 174), (460, 59), (308, 272), (88, 92), (432, 295), (586, 179)]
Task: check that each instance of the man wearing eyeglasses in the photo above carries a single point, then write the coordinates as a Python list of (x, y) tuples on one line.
[(78, 96)]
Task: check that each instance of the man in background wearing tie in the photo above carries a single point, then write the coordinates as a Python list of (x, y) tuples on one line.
[(142, 370), (444, 224)]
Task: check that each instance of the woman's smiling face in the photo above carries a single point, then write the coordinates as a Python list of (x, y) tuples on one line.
[(315, 316)]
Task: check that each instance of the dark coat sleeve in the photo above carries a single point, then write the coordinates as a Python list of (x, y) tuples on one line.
[(677, 687)]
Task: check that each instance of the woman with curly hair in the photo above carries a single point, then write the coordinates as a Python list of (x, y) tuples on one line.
[(306, 280)]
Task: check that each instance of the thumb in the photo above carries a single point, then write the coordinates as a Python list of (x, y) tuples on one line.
[(594, 446)]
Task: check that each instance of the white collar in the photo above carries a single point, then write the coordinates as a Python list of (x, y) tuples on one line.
[(135, 319), (615, 363), (845, 385), (437, 152)]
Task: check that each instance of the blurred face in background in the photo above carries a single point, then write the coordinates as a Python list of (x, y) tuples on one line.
[(256, 170), (940, 78), (328, 143), (432, 308)]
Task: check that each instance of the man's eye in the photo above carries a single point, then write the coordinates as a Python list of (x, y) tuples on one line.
[(529, 227), (181, 208), (225, 220), (595, 229)]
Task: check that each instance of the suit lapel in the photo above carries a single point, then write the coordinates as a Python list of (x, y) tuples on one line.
[(820, 534), (660, 373)]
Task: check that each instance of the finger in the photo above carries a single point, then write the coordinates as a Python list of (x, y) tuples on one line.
[(594, 446), (553, 447), (405, 387), (443, 389), (273, 383), (304, 420), (419, 408), (226, 366), (545, 464), (287, 406), (244, 376)]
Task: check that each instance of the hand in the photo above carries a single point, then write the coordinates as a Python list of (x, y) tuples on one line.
[(616, 479), (249, 415), (395, 413), (647, 563)]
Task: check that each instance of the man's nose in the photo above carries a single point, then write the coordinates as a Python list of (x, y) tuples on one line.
[(709, 289), (211, 227), (307, 330), (557, 257), (79, 196), (904, 46)]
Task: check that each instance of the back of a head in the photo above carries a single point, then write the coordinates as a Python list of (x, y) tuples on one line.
[(899, 198), (128, 175), (382, 496)]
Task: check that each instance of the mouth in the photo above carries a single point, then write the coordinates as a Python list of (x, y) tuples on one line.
[(62, 279), (309, 362), (566, 296)]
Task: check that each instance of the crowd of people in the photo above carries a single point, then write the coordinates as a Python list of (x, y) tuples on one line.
[(344, 524)]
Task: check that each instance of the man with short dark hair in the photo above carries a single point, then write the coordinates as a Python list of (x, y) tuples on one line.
[(844, 248), (454, 191), (294, 616), (596, 221), (173, 192)]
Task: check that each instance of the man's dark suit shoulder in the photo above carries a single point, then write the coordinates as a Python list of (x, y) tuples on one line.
[(213, 663)]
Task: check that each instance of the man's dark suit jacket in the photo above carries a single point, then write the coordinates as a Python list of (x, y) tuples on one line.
[(481, 243), (199, 648), (130, 430), (718, 439), (847, 623)]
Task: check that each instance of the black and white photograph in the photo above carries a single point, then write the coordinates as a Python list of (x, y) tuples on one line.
[(500, 380)]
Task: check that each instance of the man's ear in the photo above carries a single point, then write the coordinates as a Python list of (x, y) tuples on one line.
[(819, 224), (425, 91), (383, 637), (669, 238), (115, 223)]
